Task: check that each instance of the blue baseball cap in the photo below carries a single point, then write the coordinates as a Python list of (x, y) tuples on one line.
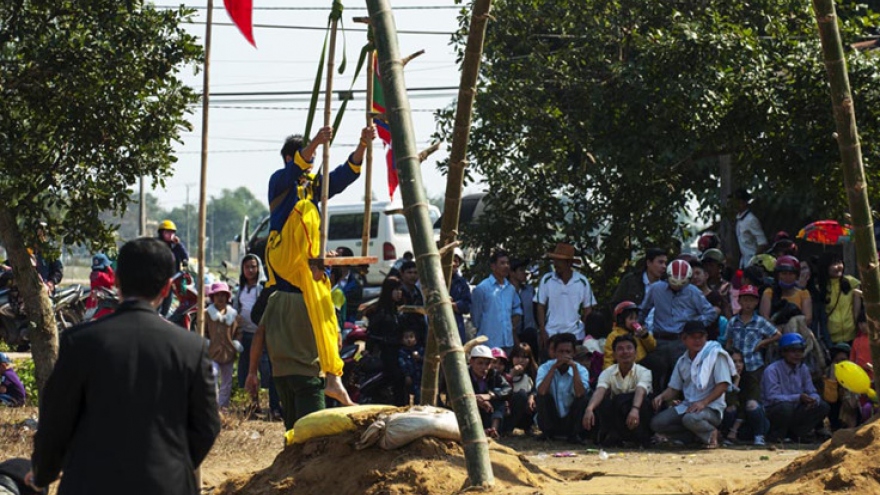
[(4, 358), (100, 261)]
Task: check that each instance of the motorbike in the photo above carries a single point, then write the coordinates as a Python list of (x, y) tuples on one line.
[(69, 306), (106, 302), (184, 289)]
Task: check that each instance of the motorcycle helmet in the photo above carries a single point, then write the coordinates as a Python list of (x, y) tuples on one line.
[(622, 310), (787, 264), (167, 225), (792, 341), (678, 273), (765, 261)]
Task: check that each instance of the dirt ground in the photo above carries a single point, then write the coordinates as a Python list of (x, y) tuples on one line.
[(249, 459)]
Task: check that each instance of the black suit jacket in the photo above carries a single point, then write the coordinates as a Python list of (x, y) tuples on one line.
[(129, 408)]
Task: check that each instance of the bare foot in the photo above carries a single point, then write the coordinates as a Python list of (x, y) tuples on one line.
[(335, 390)]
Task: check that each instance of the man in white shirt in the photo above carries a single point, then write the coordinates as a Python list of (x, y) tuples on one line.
[(562, 294), (749, 233), (621, 406)]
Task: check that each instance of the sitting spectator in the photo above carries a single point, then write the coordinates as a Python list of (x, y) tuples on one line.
[(411, 360), (620, 405), (844, 407), (522, 379), (793, 406), (750, 333), (626, 322), (562, 386), (12, 393), (491, 389), (744, 418), (703, 374)]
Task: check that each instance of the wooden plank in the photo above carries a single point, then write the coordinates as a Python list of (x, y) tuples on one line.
[(348, 260)]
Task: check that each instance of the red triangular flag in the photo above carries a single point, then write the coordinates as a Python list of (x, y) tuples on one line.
[(241, 12)]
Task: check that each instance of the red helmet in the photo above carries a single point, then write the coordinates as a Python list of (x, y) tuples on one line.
[(787, 264), (679, 273), (708, 241), (624, 306)]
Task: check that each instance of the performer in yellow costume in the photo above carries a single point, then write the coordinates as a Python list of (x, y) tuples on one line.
[(302, 333)]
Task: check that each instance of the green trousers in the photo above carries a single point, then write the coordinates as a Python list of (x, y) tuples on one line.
[(300, 396)]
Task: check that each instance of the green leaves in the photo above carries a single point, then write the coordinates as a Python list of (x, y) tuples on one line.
[(655, 94), (89, 102)]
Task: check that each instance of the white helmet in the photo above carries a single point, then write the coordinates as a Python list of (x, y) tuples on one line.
[(678, 273)]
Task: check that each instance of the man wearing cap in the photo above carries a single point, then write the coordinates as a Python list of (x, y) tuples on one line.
[(12, 392), (787, 392), (703, 374), (713, 263), (749, 333), (564, 298), (460, 293), (101, 278), (130, 406), (495, 307), (490, 388), (749, 233), (528, 326), (562, 386)]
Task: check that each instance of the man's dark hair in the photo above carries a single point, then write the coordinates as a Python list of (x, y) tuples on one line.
[(292, 144), (653, 252), (566, 338), (407, 265), (623, 338), (498, 253), (344, 251), (143, 267)]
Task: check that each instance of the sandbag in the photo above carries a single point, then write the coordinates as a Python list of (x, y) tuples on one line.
[(328, 422), (395, 430)]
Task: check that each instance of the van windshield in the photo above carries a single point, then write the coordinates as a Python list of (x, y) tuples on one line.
[(351, 226), (400, 226)]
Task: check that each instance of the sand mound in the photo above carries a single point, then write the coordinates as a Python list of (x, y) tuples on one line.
[(846, 463), (331, 465)]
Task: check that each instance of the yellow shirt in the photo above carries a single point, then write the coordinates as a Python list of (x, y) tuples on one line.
[(617, 384), (643, 346), (841, 320)]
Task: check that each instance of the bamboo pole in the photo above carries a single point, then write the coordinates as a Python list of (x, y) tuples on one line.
[(467, 92), (853, 170), (325, 168), (203, 182), (437, 303), (368, 180)]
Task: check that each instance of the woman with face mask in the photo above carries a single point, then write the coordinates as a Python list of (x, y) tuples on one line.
[(785, 287)]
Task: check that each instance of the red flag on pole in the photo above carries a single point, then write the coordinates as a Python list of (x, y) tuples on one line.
[(382, 127), (241, 13)]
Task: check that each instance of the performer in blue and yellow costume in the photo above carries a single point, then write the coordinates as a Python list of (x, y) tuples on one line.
[(302, 333)]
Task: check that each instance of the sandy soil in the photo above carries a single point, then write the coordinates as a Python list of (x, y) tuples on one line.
[(249, 459)]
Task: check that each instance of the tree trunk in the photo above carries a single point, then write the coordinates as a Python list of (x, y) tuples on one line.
[(460, 391), (41, 320), (853, 171), (467, 92)]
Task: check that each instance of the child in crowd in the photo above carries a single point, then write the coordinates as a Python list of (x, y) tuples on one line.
[(12, 393), (500, 362), (626, 321), (522, 380), (410, 358), (844, 405), (750, 333), (490, 387), (744, 418), (102, 277), (223, 331)]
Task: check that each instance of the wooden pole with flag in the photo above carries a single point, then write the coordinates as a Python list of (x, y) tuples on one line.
[(368, 180)]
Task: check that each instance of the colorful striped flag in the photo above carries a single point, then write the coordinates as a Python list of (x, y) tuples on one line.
[(241, 12), (382, 128)]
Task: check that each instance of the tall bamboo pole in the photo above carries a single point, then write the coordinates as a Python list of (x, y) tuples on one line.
[(325, 168), (203, 183), (368, 180), (437, 303), (467, 93), (853, 171)]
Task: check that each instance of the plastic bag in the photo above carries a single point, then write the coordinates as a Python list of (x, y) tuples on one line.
[(395, 430), (327, 422)]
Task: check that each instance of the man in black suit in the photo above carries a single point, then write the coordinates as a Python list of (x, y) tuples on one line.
[(130, 406)]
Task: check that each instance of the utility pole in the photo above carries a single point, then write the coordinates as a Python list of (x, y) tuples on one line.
[(186, 209), (142, 217)]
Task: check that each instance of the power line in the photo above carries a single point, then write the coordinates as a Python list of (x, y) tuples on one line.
[(314, 28), (255, 107), (309, 93)]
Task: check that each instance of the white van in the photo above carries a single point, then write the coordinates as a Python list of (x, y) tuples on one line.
[(389, 234)]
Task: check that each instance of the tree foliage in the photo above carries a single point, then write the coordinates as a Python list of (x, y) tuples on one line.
[(600, 121), (90, 100)]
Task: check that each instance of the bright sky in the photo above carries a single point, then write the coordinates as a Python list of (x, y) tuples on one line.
[(246, 131)]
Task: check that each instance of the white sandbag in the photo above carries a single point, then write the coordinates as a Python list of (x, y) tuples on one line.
[(395, 430)]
